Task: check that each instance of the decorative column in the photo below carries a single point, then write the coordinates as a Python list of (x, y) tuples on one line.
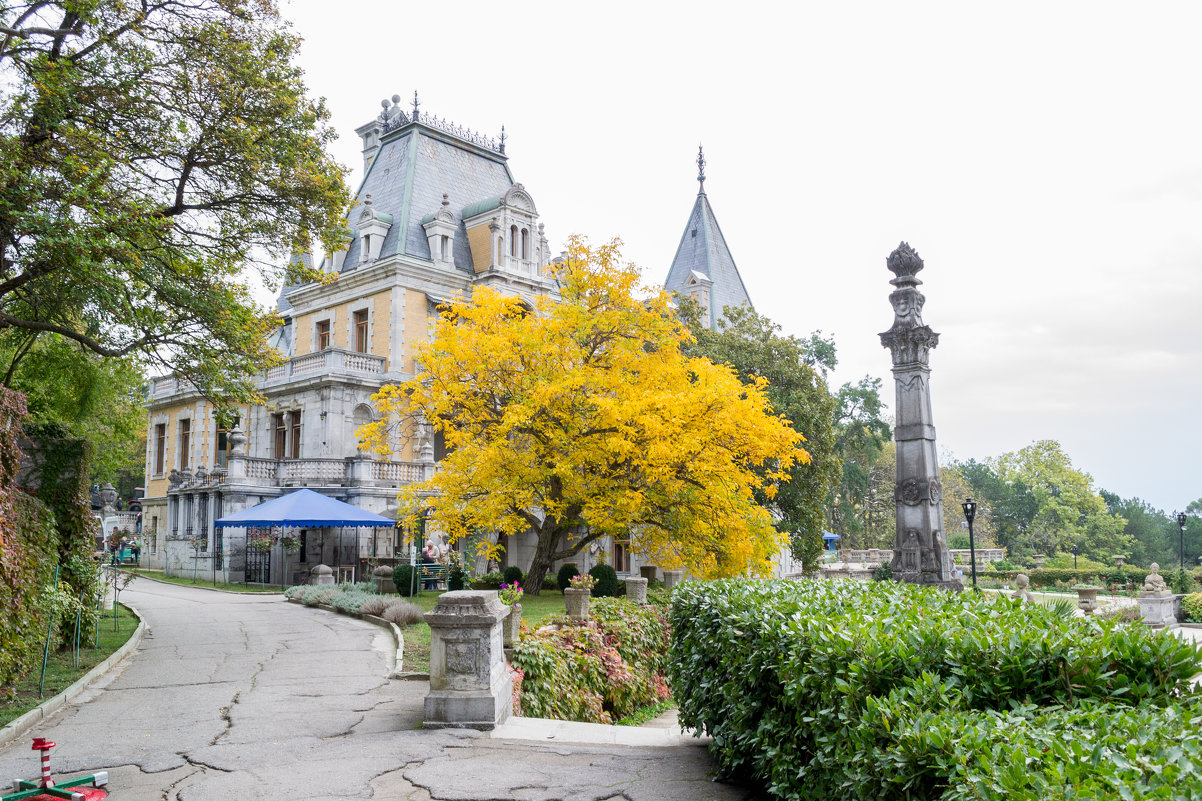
[(920, 554)]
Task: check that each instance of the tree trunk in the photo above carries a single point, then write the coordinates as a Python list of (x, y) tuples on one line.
[(548, 540)]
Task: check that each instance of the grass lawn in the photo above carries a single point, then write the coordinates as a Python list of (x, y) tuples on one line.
[(201, 581), (61, 672), (417, 636)]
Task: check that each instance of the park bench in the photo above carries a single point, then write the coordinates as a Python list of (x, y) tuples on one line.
[(432, 574)]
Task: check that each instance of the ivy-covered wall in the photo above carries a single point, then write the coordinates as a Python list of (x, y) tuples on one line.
[(45, 523)]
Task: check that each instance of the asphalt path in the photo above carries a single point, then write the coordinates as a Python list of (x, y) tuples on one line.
[(248, 697)]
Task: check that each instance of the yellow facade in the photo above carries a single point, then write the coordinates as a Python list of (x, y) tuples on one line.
[(203, 435), (477, 240), (341, 319)]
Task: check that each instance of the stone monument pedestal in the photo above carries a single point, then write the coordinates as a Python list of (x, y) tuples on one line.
[(1158, 610), (321, 574), (672, 578), (470, 687), (636, 590)]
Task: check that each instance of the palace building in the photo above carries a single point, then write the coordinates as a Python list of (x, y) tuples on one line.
[(438, 213)]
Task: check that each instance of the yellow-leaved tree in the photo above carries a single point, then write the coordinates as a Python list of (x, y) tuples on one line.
[(583, 419)]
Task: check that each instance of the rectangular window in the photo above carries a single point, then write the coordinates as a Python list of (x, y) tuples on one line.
[(304, 546), (294, 444), (185, 443), (621, 560), (281, 436), (361, 331), (222, 455), (323, 335), (160, 447)]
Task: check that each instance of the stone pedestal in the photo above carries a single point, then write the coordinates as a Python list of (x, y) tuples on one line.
[(1087, 599), (672, 578), (321, 574), (381, 580), (636, 590), (470, 686), (649, 572), (511, 628), (576, 602), (1158, 610)]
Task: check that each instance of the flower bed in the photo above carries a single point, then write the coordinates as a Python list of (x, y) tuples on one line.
[(884, 690), (598, 670)]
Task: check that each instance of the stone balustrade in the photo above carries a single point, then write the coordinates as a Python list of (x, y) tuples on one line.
[(328, 361), (353, 471), (881, 555)]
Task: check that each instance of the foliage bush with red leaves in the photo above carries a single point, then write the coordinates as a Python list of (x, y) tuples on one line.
[(597, 671)]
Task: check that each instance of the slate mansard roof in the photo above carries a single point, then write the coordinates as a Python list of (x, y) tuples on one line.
[(407, 177), (703, 250)]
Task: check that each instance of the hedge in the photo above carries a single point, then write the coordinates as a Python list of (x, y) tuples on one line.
[(1049, 577), (882, 690)]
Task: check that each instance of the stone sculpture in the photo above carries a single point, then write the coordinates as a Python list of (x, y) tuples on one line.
[(1154, 585), (920, 553), (1021, 589)]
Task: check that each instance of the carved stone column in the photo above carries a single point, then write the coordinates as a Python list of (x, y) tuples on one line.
[(920, 553)]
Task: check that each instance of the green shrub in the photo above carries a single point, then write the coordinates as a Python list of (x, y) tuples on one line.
[(1191, 607), (565, 575), (958, 542), (405, 581), (488, 581), (456, 578), (883, 572), (350, 601), (317, 595), (375, 605), (885, 690), (597, 670), (402, 613), (295, 591), (1181, 582), (550, 583), (513, 575), (607, 581)]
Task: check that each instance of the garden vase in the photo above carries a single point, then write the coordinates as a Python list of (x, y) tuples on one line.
[(512, 625), (576, 602), (1087, 599), (672, 578)]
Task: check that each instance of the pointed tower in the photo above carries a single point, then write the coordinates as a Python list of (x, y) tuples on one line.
[(703, 268)]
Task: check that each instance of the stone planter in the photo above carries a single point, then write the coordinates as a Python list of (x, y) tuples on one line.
[(1087, 599), (321, 574), (636, 590), (672, 578), (576, 602), (1038, 559), (1118, 560), (511, 626), (381, 580), (649, 572)]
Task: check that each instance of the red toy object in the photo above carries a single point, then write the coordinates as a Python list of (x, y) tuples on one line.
[(47, 791)]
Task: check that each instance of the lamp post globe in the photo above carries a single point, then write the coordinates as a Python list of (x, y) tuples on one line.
[(970, 512)]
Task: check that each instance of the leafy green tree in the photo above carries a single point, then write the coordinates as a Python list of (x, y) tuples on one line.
[(96, 399), (855, 509), (150, 153), (754, 346)]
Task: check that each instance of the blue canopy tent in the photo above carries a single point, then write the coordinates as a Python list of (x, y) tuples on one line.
[(828, 539), (304, 508)]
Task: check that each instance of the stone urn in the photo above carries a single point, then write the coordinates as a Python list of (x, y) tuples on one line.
[(1087, 599), (672, 578), (321, 574), (576, 602), (1038, 559), (636, 590), (381, 579), (511, 627), (1118, 560)]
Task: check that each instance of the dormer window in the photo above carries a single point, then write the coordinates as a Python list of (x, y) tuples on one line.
[(440, 229), (373, 227)]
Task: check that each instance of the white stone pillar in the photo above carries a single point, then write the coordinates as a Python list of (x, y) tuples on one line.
[(470, 686)]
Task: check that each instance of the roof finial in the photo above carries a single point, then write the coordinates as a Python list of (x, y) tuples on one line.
[(415, 105), (701, 170), (502, 138)]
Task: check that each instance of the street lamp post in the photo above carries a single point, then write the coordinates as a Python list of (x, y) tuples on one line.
[(1076, 550), (1181, 525), (970, 511)]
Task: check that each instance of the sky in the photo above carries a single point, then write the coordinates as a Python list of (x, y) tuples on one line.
[(1045, 159)]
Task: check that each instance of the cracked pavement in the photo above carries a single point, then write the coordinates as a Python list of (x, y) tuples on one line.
[(249, 697)]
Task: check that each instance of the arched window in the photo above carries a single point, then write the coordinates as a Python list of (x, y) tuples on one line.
[(513, 241), (525, 244)]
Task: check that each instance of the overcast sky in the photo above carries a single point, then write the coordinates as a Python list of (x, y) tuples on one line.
[(1045, 159)]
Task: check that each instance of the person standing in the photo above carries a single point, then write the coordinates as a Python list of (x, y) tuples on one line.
[(135, 548)]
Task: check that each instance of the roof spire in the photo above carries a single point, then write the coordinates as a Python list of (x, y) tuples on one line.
[(415, 105), (502, 139), (700, 170)]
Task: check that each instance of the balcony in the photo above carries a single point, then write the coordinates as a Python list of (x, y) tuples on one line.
[(349, 472), (331, 361)]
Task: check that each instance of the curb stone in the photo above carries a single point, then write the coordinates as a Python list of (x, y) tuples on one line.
[(207, 589), (398, 671), (48, 707)]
